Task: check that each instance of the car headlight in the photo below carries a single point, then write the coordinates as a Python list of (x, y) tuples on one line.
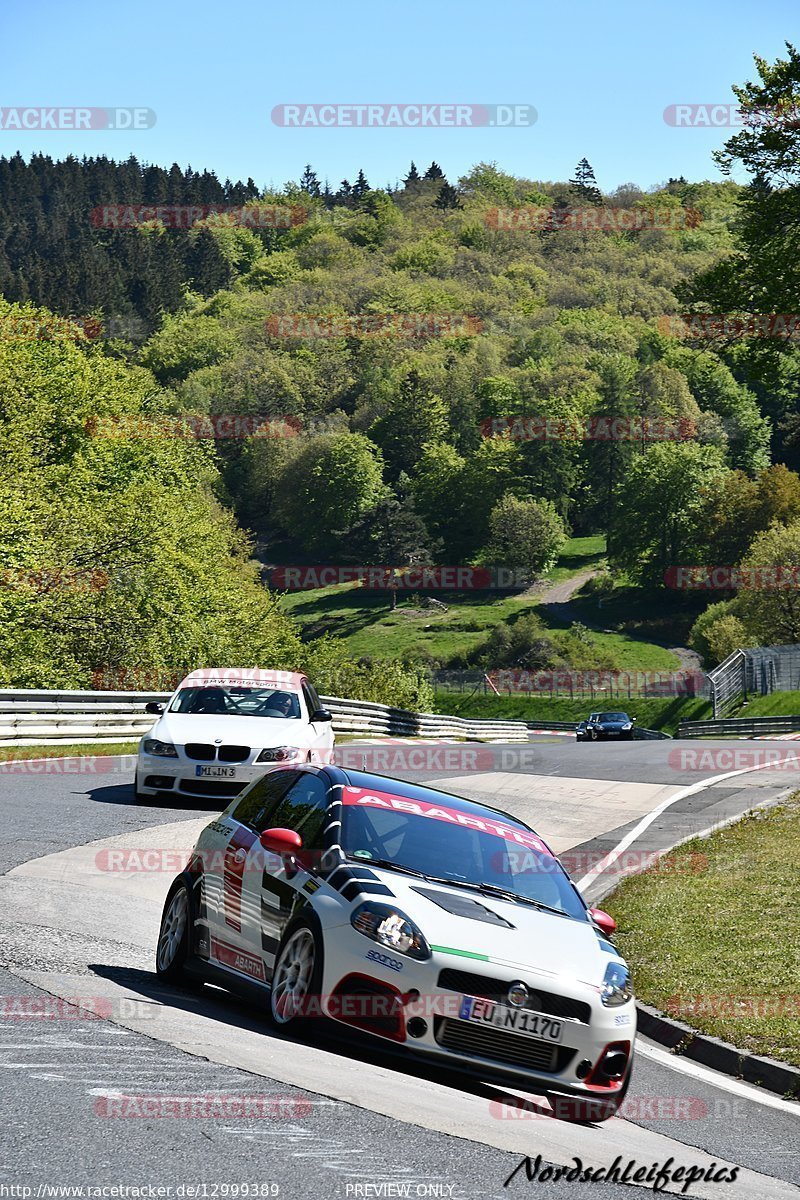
[(617, 988), (280, 754), (628, 726), (162, 749), (390, 928)]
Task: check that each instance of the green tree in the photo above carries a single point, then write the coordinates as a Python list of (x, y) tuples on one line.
[(524, 533), (658, 508), (325, 485), (585, 183), (447, 197), (414, 416), (771, 614)]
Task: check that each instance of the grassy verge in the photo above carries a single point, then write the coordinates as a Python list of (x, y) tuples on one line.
[(777, 704), (720, 947), (661, 616), (58, 750), (661, 714), (373, 630)]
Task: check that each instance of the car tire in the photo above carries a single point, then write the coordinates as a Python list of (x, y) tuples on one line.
[(294, 996), (174, 934)]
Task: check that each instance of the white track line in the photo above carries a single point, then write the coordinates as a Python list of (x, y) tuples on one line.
[(725, 1082), (645, 822)]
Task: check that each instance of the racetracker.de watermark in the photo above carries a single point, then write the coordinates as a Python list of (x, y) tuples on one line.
[(732, 758), (403, 116), (375, 578), (732, 1006), (61, 579), (74, 1008), (218, 426), (184, 216), (633, 1108), (728, 578), (730, 116), (15, 328), (715, 326), (311, 326), (76, 764), (224, 1105), (667, 683), (590, 219), (598, 428), (75, 119)]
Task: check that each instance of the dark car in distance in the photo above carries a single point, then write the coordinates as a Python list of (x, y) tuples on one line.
[(603, 725)]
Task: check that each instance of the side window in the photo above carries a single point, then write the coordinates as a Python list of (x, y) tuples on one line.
[(303, 808), (254, 808)]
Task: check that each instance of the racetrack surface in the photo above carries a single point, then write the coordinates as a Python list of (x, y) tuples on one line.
[(352, 1114)]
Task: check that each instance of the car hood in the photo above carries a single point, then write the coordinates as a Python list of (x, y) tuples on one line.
[(180, 728), (551, 946)]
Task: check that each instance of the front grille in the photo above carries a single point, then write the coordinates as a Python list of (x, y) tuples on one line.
[(210, 787), (483, 1041), (469, 983), (233, 753), (200, 750)]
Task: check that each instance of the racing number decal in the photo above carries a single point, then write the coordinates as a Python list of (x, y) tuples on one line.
[(233, 875)]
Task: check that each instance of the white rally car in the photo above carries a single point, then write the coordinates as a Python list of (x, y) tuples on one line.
[(224, 727), (437, 923)]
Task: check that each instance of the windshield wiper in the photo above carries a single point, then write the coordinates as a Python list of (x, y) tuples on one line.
[(491, 889)]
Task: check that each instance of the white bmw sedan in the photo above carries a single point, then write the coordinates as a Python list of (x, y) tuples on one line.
[(441, 925), (224, 727)]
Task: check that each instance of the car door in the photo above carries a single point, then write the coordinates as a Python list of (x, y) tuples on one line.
[(321, 731), (275, 887), (227, 870)]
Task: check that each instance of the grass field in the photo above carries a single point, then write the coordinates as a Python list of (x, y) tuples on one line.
[(777, 704), (57, 750), (372, 630), (650, 713), (719, 947)]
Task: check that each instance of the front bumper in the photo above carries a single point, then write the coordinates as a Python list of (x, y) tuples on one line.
[(181, 776), (420, 1008)]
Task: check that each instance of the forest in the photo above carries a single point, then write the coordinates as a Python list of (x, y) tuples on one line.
[(433, 372)]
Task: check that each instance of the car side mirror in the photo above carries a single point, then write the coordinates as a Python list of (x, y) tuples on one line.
[(633, 718), (603, 921), (321, 714), (286, 843), (154, 707), (281, 841)]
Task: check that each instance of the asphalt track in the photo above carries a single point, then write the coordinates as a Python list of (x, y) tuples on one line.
[(346, 1119)]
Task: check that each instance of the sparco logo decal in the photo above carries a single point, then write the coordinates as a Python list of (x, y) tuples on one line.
[(384, 960)]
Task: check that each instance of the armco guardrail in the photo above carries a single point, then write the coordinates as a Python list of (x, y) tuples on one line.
[(30, 717), (738, 727), (556, 726)]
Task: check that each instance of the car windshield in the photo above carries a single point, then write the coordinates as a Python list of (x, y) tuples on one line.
[(447, 838), (614, 717), (231, 700)]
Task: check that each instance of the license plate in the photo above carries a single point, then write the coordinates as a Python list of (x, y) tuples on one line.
[(515, 1020), (215, 772)]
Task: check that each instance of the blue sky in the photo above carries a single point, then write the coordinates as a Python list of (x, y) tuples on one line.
[(599, 74)]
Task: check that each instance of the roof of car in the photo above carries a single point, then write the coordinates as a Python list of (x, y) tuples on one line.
[(247, 676)]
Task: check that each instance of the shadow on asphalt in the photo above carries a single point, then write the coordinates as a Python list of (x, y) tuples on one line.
[(232, 1009), (122, 793)]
